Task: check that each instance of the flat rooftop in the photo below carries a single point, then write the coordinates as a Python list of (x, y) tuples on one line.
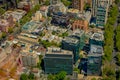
[(56, 50), (98, 36), (71, 40), (78, 32), (30, 26), (96, 50)]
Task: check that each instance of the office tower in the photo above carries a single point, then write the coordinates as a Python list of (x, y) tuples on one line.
[(72, 44), (99, 3), (100, 11), (78, 4), (56, 60)]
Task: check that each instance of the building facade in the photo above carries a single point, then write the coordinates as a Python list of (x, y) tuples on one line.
[(100, 11), (60, 19), (80, 24), (97, 39), (8, 4), (72, 44), (56, 60), (78, 4), (29, 60)]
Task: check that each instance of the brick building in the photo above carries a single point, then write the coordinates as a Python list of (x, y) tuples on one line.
[(80, 24)]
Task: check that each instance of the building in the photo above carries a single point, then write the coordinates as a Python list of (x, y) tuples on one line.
[(95, 50), (56, 60), (30, 59), (97, 39), (98, 3), (94, 60), (37, 16), (56, 8), (73, 12), (94, 64), (60, 19), (80, 35), (5, 24), (85, 16), (44, 10), (53, 2), (94, 57), (30, 53), (100, 11), (71, 44), (80, 24), (8, 4), (78, 4), (101, 17)]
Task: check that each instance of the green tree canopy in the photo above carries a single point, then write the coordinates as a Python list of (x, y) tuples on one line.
[(24, 76)]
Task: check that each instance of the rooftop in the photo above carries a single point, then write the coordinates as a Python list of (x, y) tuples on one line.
[(43, 8), (78, 32), (56, 50), (30, 26), (4, 22), (17, 14), (98, 36), (71, 40), (96, 50), (73, 10)]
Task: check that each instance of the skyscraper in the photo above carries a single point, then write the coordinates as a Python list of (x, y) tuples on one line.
[(78, 4)]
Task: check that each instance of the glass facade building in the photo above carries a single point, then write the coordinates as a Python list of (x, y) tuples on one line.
[(57, 61), (72, 44)]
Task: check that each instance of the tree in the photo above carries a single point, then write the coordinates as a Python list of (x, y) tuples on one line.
[(47, 2), (118, 59), (93, 79), (4, 34), (118, 74), (50, 77), (66, 2), (10, 30), (61, 75), (117, 1), (2, 11), (31, 76), (86, 6), (24, 76), (109, 71)]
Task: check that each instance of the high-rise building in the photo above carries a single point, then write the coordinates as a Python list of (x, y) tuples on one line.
[(72, 44), (100, 11), (78, 4), (99, 3), (56, 60)]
